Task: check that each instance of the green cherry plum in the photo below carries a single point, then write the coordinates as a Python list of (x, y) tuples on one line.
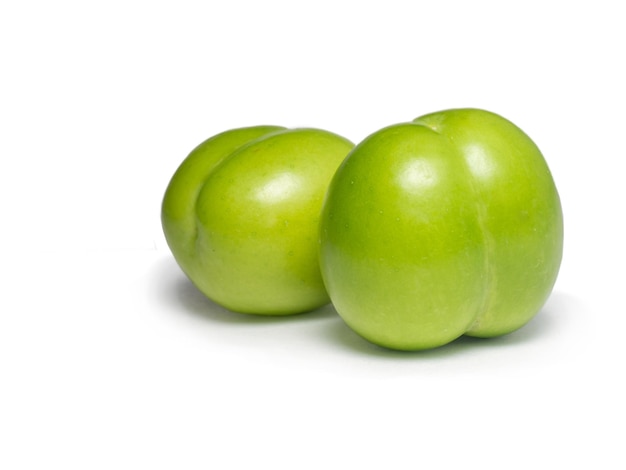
[(444, 226), (241, 216)]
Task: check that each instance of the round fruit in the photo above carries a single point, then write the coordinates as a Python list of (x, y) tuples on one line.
[(241, 216), (444, 226)]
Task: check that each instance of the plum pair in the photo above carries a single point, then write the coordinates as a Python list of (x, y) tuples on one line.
[(427, 230)]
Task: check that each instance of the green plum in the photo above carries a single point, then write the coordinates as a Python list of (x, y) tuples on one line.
[(241, 216), (444, 226)]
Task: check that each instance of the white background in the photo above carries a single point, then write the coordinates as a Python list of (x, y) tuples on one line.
[(110, 359)]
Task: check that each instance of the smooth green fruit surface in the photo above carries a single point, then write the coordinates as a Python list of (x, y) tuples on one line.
[(241, 216), (444, 226)]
